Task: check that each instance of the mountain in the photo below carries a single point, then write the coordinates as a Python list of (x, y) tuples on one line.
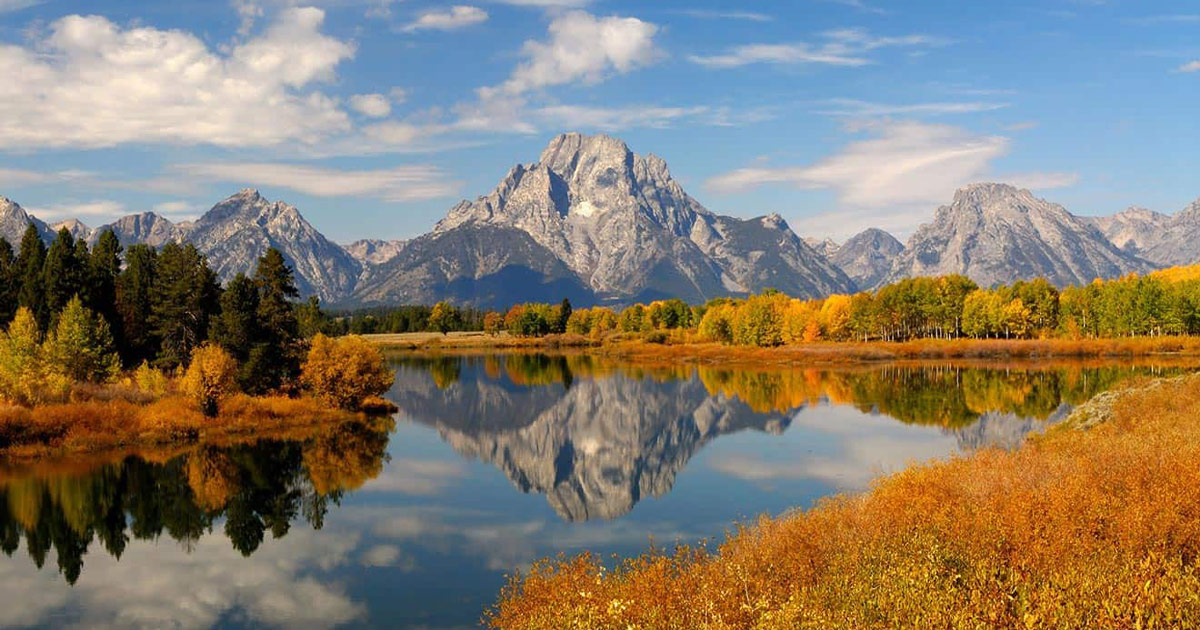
[(238, 230), (826, 248), (373, 251), (867, 257), (592, 213), (147, 227), (1165, 240), (997, 234), (78, 230), (14, 221)]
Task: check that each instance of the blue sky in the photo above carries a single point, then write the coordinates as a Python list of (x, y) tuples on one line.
[(375, 116)]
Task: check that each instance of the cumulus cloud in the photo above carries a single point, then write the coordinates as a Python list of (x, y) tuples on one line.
[(402, 183), (371, 105), (894, 176), (842, 47), (456, 17), (91, 83), (581, 47)]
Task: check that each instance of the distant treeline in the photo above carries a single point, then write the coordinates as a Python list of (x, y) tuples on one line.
[(100, 308), (946, 307), (402, 319)]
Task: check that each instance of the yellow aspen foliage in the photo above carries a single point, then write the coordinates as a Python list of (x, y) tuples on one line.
[(835, 316), (345, 371), (26, 377), (210, 378)]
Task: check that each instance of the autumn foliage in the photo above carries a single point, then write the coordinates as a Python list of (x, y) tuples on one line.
[(1078, 529), (345, 371), (210, 378)]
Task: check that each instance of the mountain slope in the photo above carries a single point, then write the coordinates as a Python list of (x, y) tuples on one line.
[(238, 230), (14, 220), (997, 234), (147, 227), (867, 257), (1165, 240), (626, 230)]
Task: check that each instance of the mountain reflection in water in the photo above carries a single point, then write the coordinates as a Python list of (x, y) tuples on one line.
[(596, 436), (412, 521)]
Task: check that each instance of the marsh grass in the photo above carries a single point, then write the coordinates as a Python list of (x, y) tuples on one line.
[(1076, 529)]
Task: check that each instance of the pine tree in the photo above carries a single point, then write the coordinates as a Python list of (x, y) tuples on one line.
[(183, 298), (9, 283), (63, 274), (80, 347), (134, 287), (236, 328), (104, 266), (274, 357), (30, 261)]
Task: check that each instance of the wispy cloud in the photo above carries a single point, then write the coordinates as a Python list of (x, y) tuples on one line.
[(843, 47), (456, 17), (706, 14), (1174, 18), (404, 183), (16, 5), (859, 108), (99, 209), (1191, 66)]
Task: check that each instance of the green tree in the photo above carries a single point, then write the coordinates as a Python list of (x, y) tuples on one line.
[(81, 347), (236, 327), (104, 266), (183, 298), (25, 374), (311, 319), (274, 358), (30, 261), (9, 283), (564, 316), (64, 274), (135, 288)]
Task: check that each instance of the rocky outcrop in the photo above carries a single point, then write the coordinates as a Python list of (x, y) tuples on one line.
[(14, 221), (373, 251), (998, 234), (867, 257), (1165, 240)]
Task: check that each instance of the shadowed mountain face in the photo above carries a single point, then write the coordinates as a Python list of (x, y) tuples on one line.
[(596, 438), (867, 257)]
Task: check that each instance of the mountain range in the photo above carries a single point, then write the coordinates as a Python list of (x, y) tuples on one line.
[(592, 221)]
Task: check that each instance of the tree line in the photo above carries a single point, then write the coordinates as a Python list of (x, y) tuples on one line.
[(81, 314)]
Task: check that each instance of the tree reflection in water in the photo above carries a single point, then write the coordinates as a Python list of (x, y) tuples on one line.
[(255, 488)]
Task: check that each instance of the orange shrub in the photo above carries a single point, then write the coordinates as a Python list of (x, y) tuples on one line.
[(345, 371)]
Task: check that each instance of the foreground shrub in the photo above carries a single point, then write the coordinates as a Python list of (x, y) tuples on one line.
[(345, 371), (211, 376), (150, 379)]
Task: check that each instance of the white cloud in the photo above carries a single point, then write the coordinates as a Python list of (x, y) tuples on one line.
[(582, 47), (159, 585), (15, 5), (90, 83), (177, 210), (615, 118), (1042, 181), (371, 105), (458, 16), (548, 4), (100, 209), (402, 183), (843, 47), (1192, 66), (705, 14), (858, 108), (418, 477)]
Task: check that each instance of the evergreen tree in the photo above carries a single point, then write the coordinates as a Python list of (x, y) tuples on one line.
[(30, 261), (311, 319), (80, 347), (184, 296), (134, 288), (104, 266), (564, 316), (274, 358), (63, 275), (9, 283), (236, 328)]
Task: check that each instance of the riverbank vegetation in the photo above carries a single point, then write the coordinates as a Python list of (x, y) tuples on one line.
[(1078, 528), (103, 347)]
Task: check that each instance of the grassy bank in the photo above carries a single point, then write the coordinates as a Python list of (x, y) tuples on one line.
[(1080, 528), (113, 419), (681, 347)]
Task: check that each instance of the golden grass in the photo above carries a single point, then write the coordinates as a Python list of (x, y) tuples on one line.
[(1077, 529), (109, 423)]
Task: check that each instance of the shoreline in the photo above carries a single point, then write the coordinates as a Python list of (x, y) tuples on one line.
[(680, 351)]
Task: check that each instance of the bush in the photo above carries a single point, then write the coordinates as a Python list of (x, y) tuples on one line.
[(149, 379), (210, 378), (345, 371)]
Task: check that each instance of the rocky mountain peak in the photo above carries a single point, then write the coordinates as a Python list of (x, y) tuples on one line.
[(14, 220)]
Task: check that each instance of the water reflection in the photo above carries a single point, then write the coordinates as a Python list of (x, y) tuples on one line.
[(250, 490), (595, 437)]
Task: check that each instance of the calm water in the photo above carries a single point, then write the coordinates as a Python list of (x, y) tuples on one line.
[(491, 463)]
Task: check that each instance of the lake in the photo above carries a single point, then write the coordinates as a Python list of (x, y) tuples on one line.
[(491, 463)]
